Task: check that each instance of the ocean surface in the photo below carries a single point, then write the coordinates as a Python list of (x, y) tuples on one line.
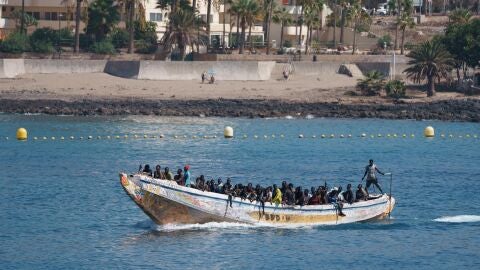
[(62, 207)]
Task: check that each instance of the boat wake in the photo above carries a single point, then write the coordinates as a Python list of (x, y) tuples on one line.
[(211, 226), (458, 219)]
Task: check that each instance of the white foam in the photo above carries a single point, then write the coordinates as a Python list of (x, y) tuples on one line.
[(205, 226), (309, 116), (289, 117), (458, 219), (218, 226)]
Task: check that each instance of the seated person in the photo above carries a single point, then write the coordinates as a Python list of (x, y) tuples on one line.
[(168, 175), (268, 195), (348, 194), (276, 195), (306, 196), (315, 199), (158, 173), (147, 170), (219, 187), (179, 177), (289, 195), (299, 198), (360, 194)]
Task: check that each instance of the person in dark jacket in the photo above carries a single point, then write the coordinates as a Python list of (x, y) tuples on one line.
[(348, 194)]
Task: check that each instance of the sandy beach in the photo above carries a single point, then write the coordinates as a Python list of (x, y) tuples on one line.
[(99, 93)]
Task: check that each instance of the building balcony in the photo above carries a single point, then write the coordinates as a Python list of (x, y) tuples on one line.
[(36, 3)]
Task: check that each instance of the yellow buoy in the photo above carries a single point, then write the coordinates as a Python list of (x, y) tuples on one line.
[(323, 136), (228, 132), (429, 132), (22, 134), (35, 138), (62, 138)]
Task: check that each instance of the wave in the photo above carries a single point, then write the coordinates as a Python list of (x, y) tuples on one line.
[(206, 226), (458, 219)]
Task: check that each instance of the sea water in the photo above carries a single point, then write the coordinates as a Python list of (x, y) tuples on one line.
[(62, 207)]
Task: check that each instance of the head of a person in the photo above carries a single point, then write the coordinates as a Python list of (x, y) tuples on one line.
[(167, 170), (202, 177), (219, 181), (349, 186), (284, 183), (312, 190), (147, 167), (305, 192), (370, 161), (229, 181), (359, 186), (339, 189), (158, 168), (274, 186), (290, 186), (186, 168), (179, 171)]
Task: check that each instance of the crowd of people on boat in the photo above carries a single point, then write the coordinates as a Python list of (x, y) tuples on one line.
[(287, 194)]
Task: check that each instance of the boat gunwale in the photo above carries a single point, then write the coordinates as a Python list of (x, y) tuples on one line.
[(217, 196)]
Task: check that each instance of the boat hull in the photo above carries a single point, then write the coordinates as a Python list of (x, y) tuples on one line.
[(166, 203)]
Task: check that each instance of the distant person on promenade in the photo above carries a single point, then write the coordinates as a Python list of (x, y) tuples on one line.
[(286, 74), (204, 76), (370, 170), (212, 79), (186, 175)]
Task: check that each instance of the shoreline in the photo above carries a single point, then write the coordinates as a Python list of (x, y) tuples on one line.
[(467, 109)]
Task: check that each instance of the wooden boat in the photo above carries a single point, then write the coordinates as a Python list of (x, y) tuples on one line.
[(166, 202)]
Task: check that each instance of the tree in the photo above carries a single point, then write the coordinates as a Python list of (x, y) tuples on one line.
[(78, 17), (282, 16), (269, 9), (311, 21), (460, 16), (245, 10), (358, 17), (182, 33), (103, 16), (372, 83), (403, 22), (23, 21), (429, 61)]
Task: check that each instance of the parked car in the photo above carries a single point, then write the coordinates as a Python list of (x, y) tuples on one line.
[(382, 11)]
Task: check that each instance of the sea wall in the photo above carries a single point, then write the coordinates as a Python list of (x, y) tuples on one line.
[(10, 68), (223, 70), (45, 66)]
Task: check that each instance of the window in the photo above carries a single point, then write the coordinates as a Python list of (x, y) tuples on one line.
[(51, 16), (204, 18), (156, 17), (35, 15)]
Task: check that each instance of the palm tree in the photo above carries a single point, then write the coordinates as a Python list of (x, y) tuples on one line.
[(429, 61), (253, 16), (269, 7), (311, 21), (183, 32), (284, 18), (245, 10), (460, 16), (78, 15), (405, 21), (358, 17), (372, 83)]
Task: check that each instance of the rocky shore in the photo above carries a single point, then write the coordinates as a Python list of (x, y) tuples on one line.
[(447, 110)]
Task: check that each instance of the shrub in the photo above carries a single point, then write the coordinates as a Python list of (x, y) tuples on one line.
[(372, 84), (44, 34), (287, 43), (119, 38), (86, 41), (103, 47), (42, 47), (15, 43), (145, 47), (395, 89), (385, 39)]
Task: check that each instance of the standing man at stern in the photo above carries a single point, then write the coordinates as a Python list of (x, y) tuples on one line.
[(371, 176)]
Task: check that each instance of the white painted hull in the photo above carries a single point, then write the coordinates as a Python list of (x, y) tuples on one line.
[(166, 202)]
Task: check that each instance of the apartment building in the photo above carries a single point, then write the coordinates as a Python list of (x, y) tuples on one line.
[(55, 14), (291, 32)]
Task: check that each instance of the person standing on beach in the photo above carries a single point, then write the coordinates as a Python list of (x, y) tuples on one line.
[(371, 176)]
